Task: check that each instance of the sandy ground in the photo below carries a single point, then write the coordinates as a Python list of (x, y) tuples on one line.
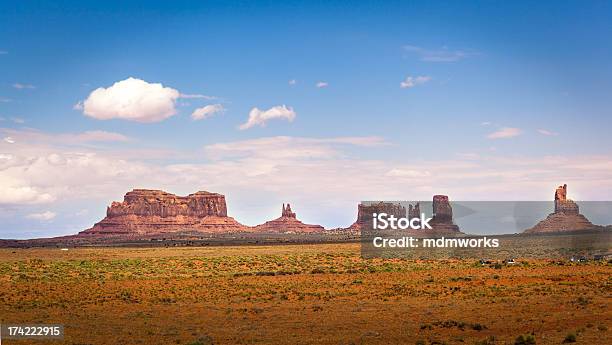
[(299, 294)]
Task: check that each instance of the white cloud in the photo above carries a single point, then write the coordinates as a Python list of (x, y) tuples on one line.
[(414, 81), (504, 133), (18, 120), (207, 111), (259, 117), (131, 99), (17, 191), (547, 132), (292, 82), (33, 136), (43, 216), (20, 86), (5, 100), (321, 84), (438, 55), (485, 123)]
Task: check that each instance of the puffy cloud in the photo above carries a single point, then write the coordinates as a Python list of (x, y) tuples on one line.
[(20, 86), (292, 82), (547, 132), (414, 81), (131, 99), (321, 84), (43, 216), (505, 133), (9, 140), (259, 117), (207, 111)]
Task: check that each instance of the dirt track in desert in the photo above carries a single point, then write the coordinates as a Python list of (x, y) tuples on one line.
[(300, 294)]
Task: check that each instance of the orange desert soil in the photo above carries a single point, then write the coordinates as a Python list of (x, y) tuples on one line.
[(299, 294)]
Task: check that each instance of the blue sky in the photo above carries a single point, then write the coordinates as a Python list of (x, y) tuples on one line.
[(537, 74)]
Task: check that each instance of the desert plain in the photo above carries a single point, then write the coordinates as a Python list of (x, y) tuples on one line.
[(301, 294)]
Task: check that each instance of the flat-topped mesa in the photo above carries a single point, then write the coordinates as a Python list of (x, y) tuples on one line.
[(287, 223), (365, 212), (142, 202), (442, 220), (150, 212), (566, 216)]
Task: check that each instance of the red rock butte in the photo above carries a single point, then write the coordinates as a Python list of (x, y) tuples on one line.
[(566, 216), (441, 222), (365, 211), (151, 212), (287, 223)]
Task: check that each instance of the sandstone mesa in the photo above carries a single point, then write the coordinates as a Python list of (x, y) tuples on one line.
[(152, 212)]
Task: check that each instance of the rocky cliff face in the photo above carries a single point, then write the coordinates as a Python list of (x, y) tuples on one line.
[(442, 220), (365, 212), (566, 216), (287, 223), (149, 212), (142, 202)]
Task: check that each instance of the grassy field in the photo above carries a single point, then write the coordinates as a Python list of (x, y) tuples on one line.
[(300, 294)]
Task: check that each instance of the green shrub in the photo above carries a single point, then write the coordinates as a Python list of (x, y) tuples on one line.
[(205, 340), (570, 338), (527, 339), (489, 341), (478, 327)]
